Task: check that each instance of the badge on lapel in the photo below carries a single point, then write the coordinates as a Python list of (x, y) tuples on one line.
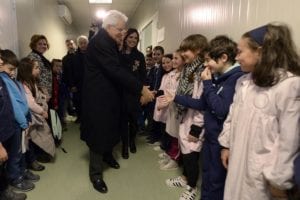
[(136, 65)]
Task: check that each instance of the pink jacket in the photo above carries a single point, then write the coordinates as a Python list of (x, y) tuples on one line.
[(191, 117), (169, 83), (262, 132), (33, 106)]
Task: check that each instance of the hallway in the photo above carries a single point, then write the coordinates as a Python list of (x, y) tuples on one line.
[(139, 177)]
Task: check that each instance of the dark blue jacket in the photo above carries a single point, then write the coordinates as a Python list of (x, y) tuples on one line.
[(7, 120), (155, 77), (215, 101)]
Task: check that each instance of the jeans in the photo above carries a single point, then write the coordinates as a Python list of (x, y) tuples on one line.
[(15, 165)]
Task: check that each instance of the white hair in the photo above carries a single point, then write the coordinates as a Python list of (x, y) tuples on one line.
[(82, 37), (112, 17)]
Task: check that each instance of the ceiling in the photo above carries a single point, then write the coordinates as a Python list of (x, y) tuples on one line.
[(83, 13)]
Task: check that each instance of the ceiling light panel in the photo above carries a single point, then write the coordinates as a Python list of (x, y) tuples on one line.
[(100, 1)]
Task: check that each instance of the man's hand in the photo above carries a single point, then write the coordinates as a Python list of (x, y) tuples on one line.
[(225, 157), (3, 154), (147, 95)]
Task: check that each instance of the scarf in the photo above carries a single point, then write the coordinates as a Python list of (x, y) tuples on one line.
[(190, 73), (18, 99)]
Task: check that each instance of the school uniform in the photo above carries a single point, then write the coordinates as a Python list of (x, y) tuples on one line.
[(169, 83), (262, 133), (215, 102), (155, 77), (190, 150), (7, 126), (15, 164), (39, 131), (297, 171)]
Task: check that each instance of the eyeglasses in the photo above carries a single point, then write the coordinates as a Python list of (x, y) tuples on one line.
[(121, 30)]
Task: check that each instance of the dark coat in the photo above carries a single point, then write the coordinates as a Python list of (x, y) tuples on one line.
[(102, 100), (67, 63), (77, 69), (7, 120), (135, 64)]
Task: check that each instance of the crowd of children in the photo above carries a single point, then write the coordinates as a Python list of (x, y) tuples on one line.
[(26, 137), (235, 106)]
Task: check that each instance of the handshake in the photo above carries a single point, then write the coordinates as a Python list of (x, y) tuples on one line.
[(163, 100), (147, 95)]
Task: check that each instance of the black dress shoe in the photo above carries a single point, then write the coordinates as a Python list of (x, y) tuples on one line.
[(9, 194), (36, 166), (22, 185), (100, 185), (112, 163), (125, 153), (132, 147), (29, 176)]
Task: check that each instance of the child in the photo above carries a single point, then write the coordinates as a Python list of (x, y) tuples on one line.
[(262, 131), (156, 74), (17, 176), (59, 92), (171, 155), (41, 140), (149, 63), (297, 177), (193, 48), (169, 82), (219, 80), (7, 130)]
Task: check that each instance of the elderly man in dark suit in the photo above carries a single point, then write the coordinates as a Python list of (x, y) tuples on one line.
[(102, 95)]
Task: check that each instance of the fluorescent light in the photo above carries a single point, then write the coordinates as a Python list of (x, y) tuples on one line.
[(101, 14), (100, 1)]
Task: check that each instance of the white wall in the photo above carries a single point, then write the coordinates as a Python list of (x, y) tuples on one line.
[(40, 17), (212, 17), (8, 25)]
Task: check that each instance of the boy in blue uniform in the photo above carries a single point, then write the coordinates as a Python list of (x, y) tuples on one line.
[(8, 133)]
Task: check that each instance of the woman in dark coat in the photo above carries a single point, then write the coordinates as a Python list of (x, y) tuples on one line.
[(134, 61), (102, 95)]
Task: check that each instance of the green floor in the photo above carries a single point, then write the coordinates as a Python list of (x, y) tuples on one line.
[(138, 179)]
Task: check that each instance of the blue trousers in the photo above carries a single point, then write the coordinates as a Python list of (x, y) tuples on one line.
[(213, 172), (15, 165)]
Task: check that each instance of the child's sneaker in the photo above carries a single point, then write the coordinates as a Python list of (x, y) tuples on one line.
[(163, 155), (176, 182), (171, 165), (189, 194), (164, 161), (157, 148)]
